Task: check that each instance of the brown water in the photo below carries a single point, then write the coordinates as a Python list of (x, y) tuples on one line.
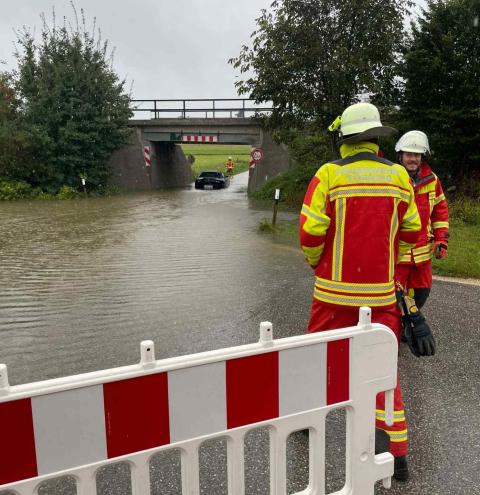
[(83, 282)]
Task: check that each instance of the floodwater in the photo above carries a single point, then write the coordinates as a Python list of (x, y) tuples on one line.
[(83, 282)]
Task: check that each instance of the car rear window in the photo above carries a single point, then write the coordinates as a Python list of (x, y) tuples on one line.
[(217, 175)]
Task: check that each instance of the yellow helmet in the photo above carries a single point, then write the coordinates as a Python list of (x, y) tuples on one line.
[(361, 122)]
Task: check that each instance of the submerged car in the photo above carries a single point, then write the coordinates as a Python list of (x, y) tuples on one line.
[(212, 180)]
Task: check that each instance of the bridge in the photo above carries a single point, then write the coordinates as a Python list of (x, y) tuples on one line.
[(164, 125)]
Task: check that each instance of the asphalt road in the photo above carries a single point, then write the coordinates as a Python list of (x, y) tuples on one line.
[(441, 393)]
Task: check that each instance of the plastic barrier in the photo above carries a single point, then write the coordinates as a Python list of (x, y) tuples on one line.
[(76, 425)]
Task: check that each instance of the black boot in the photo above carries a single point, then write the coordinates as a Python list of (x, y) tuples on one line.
[(400, 468)]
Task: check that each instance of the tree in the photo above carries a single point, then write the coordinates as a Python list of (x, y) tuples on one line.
[(15, 145), (73, 104), (312, 58), (442, 83)]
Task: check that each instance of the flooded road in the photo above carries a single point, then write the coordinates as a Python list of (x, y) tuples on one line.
[(83, 282)]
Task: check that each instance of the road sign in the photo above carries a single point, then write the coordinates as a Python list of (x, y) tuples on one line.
[(256, 154)]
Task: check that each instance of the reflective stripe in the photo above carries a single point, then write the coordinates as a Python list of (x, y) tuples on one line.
[(398, 436), (398, 416), (393, 233), (312, 254), (406, 258), (422, 249), (369, 191), (410, 218), (423, 257), (439, 199), (400, 412), (353, 287), (354, 300), (440, 225), (338, 240), (306, 211)]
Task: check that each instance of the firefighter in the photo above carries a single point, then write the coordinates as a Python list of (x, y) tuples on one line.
[(229, 166), (414, 271), (358, 216)]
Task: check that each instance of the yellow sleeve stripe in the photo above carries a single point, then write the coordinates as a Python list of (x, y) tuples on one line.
[(440, 225), (439, 199), (308, 213)]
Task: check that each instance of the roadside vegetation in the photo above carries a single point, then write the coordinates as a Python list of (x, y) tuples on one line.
[(63, 111), (214, 157)]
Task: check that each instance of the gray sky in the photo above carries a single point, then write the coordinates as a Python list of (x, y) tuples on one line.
[(168, 48)]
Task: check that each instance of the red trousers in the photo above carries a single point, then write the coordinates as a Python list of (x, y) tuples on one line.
[(330, 317), (414, 276)]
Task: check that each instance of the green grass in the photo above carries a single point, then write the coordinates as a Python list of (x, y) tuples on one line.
[(214, 156), (463, 259)]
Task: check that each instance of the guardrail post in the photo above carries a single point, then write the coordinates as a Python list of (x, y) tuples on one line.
[(4, 385), (147, 353), (266, 333)]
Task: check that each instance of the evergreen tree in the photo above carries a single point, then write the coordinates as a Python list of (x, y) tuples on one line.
[(442, 83), (73, 103)]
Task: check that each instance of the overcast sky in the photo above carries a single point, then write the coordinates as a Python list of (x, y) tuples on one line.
[(167, 48)]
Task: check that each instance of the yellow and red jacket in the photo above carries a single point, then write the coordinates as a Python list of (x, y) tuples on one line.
[(358, 215), (433, 209)]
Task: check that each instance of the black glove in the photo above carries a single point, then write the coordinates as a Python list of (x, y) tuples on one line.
[(419, 336)]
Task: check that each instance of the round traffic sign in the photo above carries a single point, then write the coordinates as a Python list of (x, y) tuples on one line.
[(256, 154)]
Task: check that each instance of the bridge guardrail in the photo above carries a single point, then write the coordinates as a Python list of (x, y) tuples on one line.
[(202, 107), (76, 425)]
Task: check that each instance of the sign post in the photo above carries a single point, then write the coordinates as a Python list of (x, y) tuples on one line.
[(275, 207)]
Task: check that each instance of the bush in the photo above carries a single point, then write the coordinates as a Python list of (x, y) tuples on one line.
[(67, 192), (12, 190)]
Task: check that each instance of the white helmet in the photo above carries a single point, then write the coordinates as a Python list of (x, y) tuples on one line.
[(360, 122), (413, 142)]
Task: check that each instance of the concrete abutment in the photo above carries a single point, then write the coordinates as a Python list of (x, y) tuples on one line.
[(170, 168)]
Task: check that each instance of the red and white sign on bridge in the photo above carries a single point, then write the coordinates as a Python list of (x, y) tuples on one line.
[(77, 425), (195, 138)]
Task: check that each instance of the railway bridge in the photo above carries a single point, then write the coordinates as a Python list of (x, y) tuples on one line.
[(170, 123)]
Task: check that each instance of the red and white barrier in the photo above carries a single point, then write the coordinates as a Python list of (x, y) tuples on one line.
[(146, 156), (77, 424), (195, 138)]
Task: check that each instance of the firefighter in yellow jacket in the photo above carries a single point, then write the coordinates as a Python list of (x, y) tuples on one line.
[(414, 271), (358, 217)]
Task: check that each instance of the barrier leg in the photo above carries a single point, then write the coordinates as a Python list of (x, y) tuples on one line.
[(87, 483), (278, 461), (316, 475), (236, 463), (190, 470), (140, 475)]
